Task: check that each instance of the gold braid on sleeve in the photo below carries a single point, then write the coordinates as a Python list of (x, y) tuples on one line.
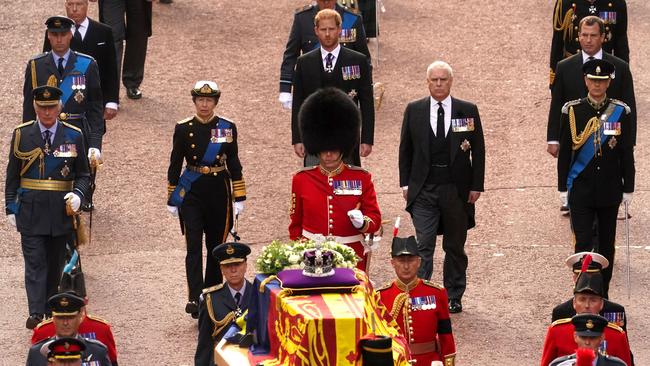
[(29, 156), (593, 125)]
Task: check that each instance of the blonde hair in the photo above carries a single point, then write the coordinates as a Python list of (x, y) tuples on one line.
[(328, 14)]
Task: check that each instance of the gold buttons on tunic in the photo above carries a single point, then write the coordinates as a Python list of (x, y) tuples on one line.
[(190, 123), (192, 134), (194, 157), (192, 146)]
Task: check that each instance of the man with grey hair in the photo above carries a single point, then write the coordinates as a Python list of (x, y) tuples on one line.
[(441, 172)]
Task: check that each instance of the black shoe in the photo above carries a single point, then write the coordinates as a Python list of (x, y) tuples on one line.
[(87, 207), (133, 93), (455, 306), (165, 1), (192, 308), (33, 321)]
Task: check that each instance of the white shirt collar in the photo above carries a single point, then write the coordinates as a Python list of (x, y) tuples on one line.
[(52, 128), (83, 27), (65, 58), (335, 52), (242, 290), (597, 56)]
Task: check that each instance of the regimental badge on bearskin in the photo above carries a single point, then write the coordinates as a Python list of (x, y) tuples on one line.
[(465, 145), (612, 142)]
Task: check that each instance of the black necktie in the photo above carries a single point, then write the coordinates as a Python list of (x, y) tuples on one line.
[(590, 58), (328, 62), (238, 299), (46, 140), (440, 129), (77, 34), (60, 67)]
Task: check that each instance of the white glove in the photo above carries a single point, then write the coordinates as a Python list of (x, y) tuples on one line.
[(74, 200), (564, 198), (286, 99), (627, 198), (239, 207), (97, 153), (173, 210), (356, 217), (12, 219)]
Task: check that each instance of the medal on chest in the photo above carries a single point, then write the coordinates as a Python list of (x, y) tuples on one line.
[(220, 135), (347, 187), (462, 124), (78, 86), (351, 72), (423, 303)]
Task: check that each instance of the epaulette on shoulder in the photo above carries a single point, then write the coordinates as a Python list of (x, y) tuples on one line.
[(354, 167), (561, 321), (385, 286), (40, 55), (185, 120), (97, 319), (565, 108), (615, 327), (225, 119), (304, 8), (71, 126), (305, 169), (80, 54), (433, 284), (44, 322), (25, 124), (622, 104), (94, 341), (212, 289)]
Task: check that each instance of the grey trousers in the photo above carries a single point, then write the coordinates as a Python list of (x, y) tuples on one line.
[(440, 204), (44, 258)]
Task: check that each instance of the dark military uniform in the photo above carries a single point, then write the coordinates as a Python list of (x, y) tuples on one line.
[(603, 360), (206, 202), (95, 353), (566, 19), (302, 39), (607, 171), (39, 175), (218, 308), (82, 94)]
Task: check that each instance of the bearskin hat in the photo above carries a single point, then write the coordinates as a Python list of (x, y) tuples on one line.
[(329, 120)]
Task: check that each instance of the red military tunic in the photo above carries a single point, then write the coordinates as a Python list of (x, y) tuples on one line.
[(560, 342), (320, 203), (420, 310), (91, 327)]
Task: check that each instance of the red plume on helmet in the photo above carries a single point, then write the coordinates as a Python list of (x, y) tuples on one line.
[(586, 261), (585, 357)]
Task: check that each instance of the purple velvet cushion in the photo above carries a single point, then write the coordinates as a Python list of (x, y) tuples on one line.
[(342, 281)]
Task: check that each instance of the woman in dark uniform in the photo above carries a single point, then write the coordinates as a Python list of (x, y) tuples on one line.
[(204, 193)]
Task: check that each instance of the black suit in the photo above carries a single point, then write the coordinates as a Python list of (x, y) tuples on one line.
[(98, 43), (433, 206), (217, 303), (310, 76), (302, 39), (95, 353), (597, 190), (570, 85)]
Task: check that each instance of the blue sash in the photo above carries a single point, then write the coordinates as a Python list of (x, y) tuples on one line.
[(80, 65), (188, 177), (587, 151)]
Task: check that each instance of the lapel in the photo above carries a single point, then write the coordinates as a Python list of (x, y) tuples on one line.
[(424, 110), (338, 67), (50, 68), (35, 136), (226, 298), (453, 137), (247, 295), (70, 65), (578, 78), (59, 137)]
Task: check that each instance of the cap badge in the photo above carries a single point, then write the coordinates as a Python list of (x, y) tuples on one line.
[(64, 302), (230, 250), (46, 94), (206, 89), (590, 324), (57, 23), (66, 345), (597, 70)]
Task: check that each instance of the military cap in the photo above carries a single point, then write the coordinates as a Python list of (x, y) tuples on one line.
[(46, 95), (329, 121), (64, 349), (589, 283), (589, 325), (404, 246), (227, 253), (598, 69), (377, 351), (65, 304), (596, 262), (59, 24), (206, 88)]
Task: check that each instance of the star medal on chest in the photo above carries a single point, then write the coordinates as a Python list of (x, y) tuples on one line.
[(612, 142), (465, 145), (65, 170), (353, 93), (78, 86), (46, 148), (592, 9)]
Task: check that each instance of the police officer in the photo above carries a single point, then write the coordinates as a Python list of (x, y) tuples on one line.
[(596, 162), (47, 177), (419, 307), (302, 39), (588, 335), (77, 75), (67, 315), (568, 14), (204, 193), (587, 299), (222, 304), (333, 199)]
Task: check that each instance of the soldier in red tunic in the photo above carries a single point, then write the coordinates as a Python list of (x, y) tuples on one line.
[(419, 307), (332, 199), (588, 299)]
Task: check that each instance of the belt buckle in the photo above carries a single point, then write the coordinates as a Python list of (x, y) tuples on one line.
[(205, 170)]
